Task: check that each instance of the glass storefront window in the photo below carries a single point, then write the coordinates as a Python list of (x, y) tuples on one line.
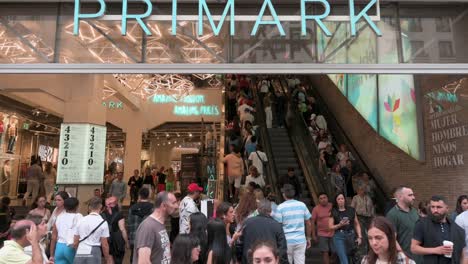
[(27, 36), (387, 103), (410, 34), (397, 112), (99, 42), (362, 94), (269, 47), (434, 35)]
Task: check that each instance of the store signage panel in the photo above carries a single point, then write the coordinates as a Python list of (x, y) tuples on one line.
[(81, 154), (191, 105), (229, 14), (113, 104)]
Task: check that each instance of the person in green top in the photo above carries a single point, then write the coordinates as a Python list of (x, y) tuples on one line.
[(403, 217)]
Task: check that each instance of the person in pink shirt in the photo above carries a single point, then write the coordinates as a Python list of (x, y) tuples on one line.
[(320, 218), (235, 168)]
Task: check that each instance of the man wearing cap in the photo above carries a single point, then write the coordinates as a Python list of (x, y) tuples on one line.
[(294, 216), (187, 207)]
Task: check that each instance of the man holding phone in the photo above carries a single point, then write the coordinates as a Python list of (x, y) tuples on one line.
[(24, 233)]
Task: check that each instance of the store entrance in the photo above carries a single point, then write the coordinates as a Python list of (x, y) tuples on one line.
[(149, 122), (177, 129)]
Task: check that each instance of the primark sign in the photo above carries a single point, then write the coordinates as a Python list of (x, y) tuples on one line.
[(230, 16)]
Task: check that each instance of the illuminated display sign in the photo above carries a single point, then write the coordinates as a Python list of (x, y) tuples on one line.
[(229, 14), (190, 99), (81, 154), (113, 104), (191, 105)]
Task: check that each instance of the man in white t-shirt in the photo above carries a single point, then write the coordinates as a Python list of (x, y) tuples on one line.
[(254, 177), (462, 221), (241, 109), (257, 158), (91, 235), (187, 207)]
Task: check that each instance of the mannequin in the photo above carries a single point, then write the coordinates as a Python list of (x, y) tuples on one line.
[(215, 134), (2, 129), (12, 133), (208, 137), (5, 179)]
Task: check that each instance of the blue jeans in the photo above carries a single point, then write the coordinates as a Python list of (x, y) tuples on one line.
[(64, 254), (11, 144), (339, 240)]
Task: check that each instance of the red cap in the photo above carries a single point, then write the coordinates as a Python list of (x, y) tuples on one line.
[(193, 187)]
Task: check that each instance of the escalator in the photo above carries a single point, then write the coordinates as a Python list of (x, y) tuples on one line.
[(262, 135), (293, 147), (284, 152), (299, 129)]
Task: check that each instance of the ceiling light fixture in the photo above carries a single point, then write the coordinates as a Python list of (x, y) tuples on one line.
[(14, 49), (173, 85), (215, 82), (203, 76)]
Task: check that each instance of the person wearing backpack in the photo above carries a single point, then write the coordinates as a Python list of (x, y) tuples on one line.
[(136, 214), (91, 236), (118, 239)]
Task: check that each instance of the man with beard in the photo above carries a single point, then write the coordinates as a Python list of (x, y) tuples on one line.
[(432, 235), (403, 217), (188, 206), (152, 243)]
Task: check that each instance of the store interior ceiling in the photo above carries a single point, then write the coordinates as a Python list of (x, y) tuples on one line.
[(40, 122), (44, 123), (179, 134), (115, 136), (176, 86)]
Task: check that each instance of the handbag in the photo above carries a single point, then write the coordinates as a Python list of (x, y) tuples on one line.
[(116, 240), (350, 242), (263, 163)]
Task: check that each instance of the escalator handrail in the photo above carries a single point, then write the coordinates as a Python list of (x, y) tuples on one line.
[(272, 175), (225, 178), (303, 149), (311, 149), (338, 133)]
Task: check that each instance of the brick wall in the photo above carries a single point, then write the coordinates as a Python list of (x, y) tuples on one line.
[(390, 164)]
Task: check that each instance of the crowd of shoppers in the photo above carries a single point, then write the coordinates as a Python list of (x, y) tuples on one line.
[(251, 229), (245, 233)]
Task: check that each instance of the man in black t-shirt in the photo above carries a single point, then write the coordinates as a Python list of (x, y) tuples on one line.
[(135, 182), (137, 214), (292, 179), (329, 156), (161, 180), (433, 233)]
